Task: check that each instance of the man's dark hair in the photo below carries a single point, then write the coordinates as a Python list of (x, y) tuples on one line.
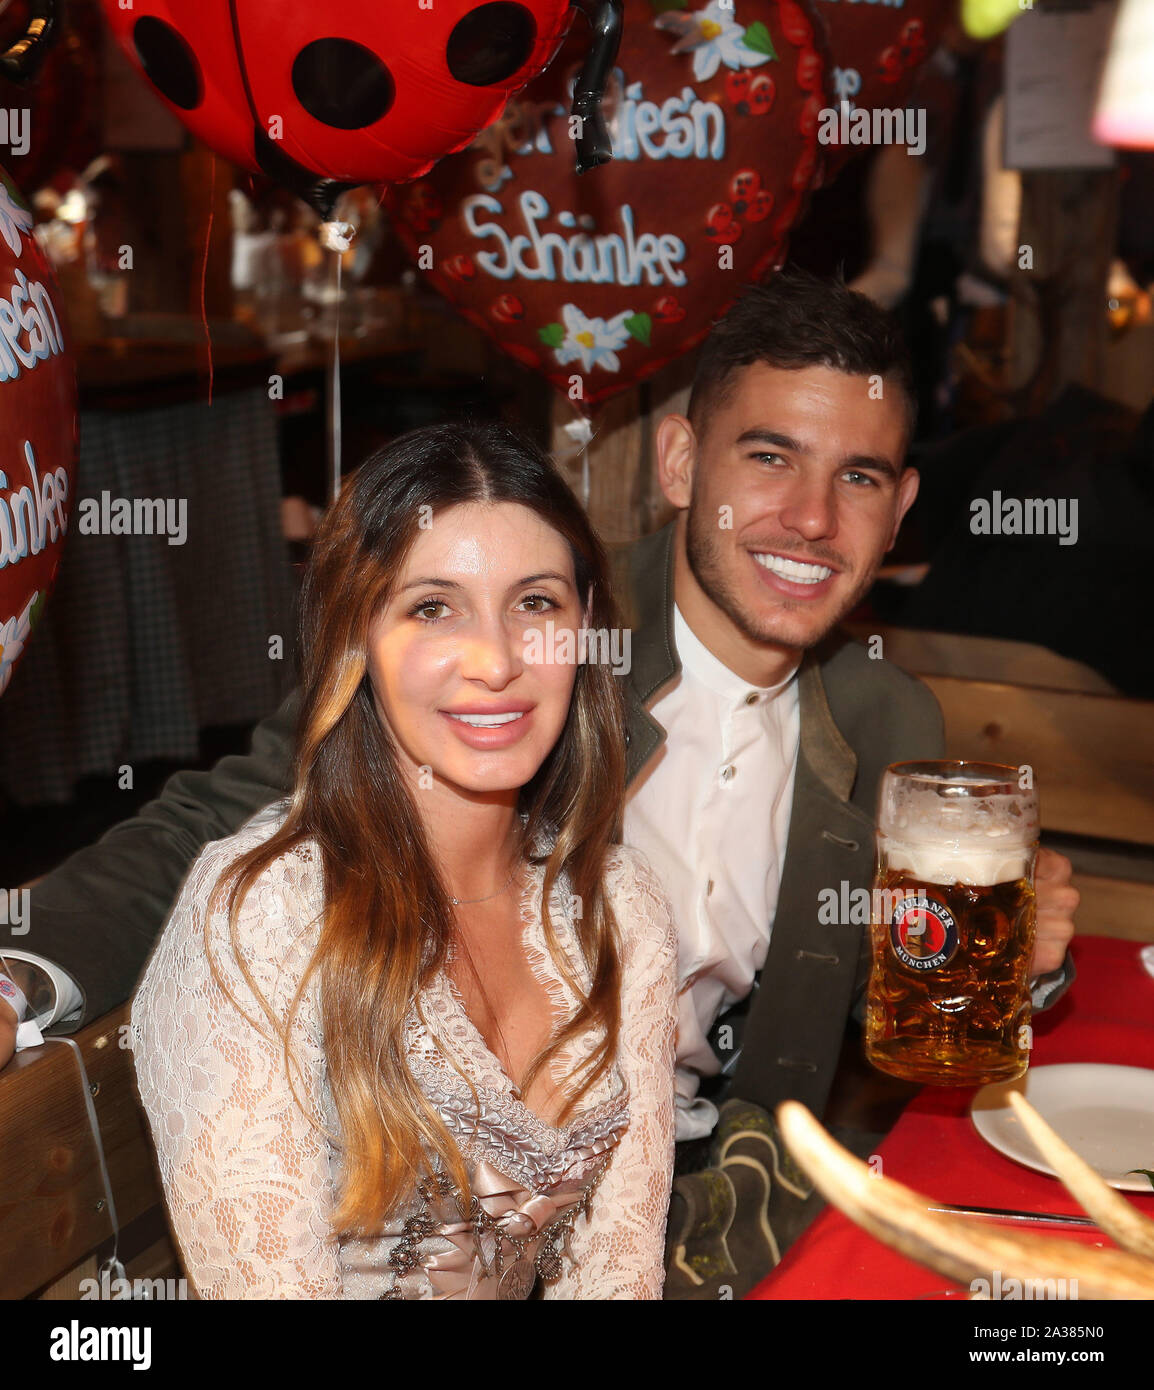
[(797, 320)]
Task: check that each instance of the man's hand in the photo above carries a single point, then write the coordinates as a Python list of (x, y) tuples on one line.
[(7, 1032), (1057, 901)]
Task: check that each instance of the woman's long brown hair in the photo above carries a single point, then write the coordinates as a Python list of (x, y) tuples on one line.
[(387, 920)]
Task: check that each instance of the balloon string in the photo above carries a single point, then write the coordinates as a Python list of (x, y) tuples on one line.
[(580, 430), (204, 273), (335, 237), (335, 385)]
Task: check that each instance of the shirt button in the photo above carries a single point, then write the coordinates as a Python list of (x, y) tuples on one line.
[(709, 888), (751, 698), (728, 772)]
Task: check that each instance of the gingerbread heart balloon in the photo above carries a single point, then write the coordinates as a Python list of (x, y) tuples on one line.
[(875, 49), (597, 280), (37, 428)]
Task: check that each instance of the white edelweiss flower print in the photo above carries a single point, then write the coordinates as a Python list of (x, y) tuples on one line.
[(713, 36), (13, 220), (592, 340), (13, 634)]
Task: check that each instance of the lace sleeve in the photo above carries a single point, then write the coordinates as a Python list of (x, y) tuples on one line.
[(618, 1251), (246, 1176)]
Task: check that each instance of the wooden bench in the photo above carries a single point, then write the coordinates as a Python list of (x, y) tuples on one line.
[(54, 1219), (1090, 748)]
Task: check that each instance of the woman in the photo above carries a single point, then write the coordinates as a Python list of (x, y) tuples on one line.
[(409, 1034)]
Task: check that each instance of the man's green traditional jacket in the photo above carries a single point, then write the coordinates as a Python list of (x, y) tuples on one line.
[(858, 715)]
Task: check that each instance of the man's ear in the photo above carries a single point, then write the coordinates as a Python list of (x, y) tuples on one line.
[(908, 485), (676, 457)]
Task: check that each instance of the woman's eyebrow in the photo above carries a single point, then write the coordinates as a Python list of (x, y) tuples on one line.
[(431, 582), (545, 574), (434, 582)]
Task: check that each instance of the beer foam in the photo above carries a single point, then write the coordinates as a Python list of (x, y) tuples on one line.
[(975, 865)]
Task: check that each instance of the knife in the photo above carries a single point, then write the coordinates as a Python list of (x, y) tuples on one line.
[(1034, 1218)]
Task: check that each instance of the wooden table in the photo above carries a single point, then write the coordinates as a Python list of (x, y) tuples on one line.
[(1106, 1017)]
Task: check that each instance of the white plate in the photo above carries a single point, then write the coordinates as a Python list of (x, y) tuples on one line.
[(1105, 1114)]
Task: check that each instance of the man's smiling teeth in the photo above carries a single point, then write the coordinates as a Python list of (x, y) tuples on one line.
[(488, 721), (793, 570)]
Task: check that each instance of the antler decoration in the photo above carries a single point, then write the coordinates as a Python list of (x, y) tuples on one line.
[(1110, 1210), (898, 1216)]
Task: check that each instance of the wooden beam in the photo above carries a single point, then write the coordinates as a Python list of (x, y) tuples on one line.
[(1092, 755), (1115, 907), (926, 653), (1069, 221)]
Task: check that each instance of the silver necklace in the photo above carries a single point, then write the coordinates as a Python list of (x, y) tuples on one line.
[(467, 902)]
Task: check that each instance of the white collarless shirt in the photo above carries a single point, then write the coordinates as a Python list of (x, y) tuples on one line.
[(711, 811)]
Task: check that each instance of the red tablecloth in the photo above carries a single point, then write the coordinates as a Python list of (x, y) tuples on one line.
[(1106, 1016)]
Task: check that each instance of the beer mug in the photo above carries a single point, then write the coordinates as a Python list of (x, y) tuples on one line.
[(952, 924)]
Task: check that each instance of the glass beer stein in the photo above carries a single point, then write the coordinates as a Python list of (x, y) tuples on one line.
[(952, 929)]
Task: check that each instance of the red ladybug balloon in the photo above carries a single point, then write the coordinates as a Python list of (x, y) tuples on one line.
[(322, 98)]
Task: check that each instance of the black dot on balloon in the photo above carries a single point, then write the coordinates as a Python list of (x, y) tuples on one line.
[(490, 43), (342, 84), (168, 62)]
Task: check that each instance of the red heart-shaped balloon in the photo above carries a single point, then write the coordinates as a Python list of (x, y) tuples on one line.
[(38, 438), (713, 116), (874, 51)]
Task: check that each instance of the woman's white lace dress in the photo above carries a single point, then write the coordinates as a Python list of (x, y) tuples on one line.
[(250, 1182)]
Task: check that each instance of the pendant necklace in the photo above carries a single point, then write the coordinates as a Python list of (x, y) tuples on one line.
[(467, 902)]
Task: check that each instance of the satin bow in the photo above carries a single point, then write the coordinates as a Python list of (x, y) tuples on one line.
[(472, 1269)]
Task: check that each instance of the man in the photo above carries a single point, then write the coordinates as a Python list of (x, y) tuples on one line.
[(756, 734)]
